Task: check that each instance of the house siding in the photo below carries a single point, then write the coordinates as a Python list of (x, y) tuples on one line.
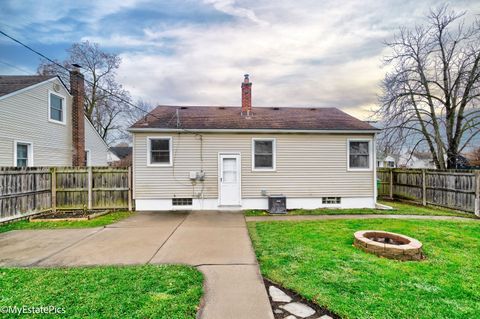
[(24, 117), (307, 166), (97, 147)]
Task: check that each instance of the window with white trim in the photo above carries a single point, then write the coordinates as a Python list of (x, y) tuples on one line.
[(263, 154), (160, 150), (359, 154), (23, 154), (88, 160), (56, 108)]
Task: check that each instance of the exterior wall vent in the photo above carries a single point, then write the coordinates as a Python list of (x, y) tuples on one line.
[(331, 200), (181, 202), (56, 87)]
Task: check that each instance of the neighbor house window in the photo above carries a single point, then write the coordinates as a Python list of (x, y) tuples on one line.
[(56, 108), (359, 156), (87, 159), (160, 151), (23, 154), (263, 154)]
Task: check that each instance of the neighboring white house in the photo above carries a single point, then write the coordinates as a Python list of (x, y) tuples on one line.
[(206, 157), (36, 116), (386, 162)]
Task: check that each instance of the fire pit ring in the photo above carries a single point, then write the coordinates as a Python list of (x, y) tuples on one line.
[(388, 245)]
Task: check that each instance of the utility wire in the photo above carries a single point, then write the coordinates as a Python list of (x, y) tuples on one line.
[(86, 80), (15, 67)]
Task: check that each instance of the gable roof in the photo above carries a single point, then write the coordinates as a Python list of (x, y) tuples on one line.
[(121, 151), (12, 83), (206, 118)]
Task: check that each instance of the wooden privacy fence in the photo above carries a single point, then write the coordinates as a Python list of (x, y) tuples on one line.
[(26, 191), (452, 189)]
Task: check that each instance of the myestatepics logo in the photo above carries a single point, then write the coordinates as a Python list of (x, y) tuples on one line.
[(31, 310)]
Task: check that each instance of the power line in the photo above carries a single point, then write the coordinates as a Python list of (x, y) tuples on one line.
[(15, 67), (87, 81)]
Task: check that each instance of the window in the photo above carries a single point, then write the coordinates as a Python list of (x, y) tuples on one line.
[(56, 110), (359, 155), (263, 151), (331, 200), (87, 160), (181, 202), (23, 154), (160, 151)]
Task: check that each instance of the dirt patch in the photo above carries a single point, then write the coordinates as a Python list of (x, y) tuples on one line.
[(319, 311), (69, 215)]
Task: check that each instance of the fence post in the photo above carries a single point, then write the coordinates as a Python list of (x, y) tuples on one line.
[(90, 182), (477, 194), (130, 189), (391, 183), (53, 186), (424, 188)]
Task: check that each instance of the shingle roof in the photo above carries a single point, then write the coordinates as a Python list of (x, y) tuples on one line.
[(274, 118), (12, 83), (121, 151)]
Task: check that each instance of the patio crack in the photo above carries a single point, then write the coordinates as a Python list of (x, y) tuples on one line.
[(64, 248), (168, 238)]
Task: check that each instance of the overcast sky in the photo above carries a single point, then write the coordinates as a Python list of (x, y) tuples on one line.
[(298, 53)]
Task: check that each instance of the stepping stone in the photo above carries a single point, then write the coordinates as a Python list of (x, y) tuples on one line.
[(298, 309), (325, 317), (278, 311), (290, 317), (278, 295)]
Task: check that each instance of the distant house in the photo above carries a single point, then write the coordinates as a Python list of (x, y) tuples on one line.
[(209, 157), (123, 156), (386, 162), (43, 124)]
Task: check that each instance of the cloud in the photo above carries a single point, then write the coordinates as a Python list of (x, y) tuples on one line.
[(303, 52), (230, 7)]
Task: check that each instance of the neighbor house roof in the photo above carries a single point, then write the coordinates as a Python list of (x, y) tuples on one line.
[(12, 83), (262, 118), (121, 151)]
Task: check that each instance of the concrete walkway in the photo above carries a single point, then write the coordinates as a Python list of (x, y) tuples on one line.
[(216, 243), (358, 216)]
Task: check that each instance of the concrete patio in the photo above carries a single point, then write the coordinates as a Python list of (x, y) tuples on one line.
[(217, 243)]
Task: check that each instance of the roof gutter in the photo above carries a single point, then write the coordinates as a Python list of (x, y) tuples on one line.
[(169, 130)]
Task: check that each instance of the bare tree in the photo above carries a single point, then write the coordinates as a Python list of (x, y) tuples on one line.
[(431, 95), (106, 101)]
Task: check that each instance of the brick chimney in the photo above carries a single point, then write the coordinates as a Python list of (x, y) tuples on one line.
[(77, 88), (246, 96)]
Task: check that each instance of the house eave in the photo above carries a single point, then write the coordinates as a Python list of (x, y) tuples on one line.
[(284, 131)]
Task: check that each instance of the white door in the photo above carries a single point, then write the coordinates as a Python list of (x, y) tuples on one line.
[(229, 179)]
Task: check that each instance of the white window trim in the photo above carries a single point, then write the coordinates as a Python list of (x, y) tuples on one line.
[(274, 150), (29, 152), (89, 157), (64, 104), (149, 153), (370, 154)]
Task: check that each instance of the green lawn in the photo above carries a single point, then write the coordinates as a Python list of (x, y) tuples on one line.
[(317, 260), (96, 222), (165, 291), (399, 209)]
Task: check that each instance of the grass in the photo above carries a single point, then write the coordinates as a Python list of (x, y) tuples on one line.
[(96, 222), (399, 208), (317, 260), (105, 292)]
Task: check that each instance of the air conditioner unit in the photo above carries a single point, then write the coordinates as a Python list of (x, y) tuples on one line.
[(277, 204)]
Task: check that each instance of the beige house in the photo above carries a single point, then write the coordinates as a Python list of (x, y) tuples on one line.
[(37, 128), (200, 157)]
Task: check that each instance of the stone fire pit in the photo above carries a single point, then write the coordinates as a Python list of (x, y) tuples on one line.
[(389, 245)]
